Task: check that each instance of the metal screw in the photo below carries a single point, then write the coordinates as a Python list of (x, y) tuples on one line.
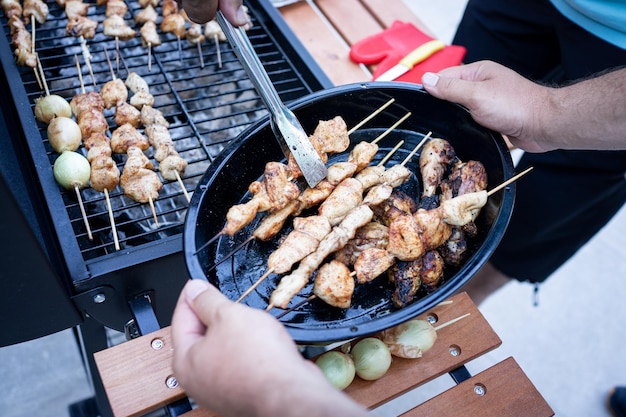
[(157, 344), (455, 350), (480, 390), (171, 382), (431, 319), (99, 298)]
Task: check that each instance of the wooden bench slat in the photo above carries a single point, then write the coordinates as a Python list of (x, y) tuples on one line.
[(351, 19), (388, 11), (323, 43), (507, 392)]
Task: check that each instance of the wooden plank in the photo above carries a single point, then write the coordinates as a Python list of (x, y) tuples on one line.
[(350, 18), (134, 374), (471, 337), (323, 43), (506, 391), (388, 11)]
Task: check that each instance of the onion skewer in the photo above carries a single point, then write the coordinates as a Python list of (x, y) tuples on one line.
[(376, 112)]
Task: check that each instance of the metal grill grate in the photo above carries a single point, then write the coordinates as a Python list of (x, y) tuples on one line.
[(206, 108)]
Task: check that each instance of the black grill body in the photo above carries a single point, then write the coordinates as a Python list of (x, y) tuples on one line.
[(53, 276)]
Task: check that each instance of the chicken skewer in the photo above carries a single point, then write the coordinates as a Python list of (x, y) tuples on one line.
[(171, 165), (212, 30), (81, 27), (359, 158), (173, 22), (115, 26), (149, 37), (425, 270), (105, 174), (196, 36), (348, 197), (298, 279), (362, 158)]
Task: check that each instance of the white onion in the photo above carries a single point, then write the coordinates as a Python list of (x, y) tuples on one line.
[(337, 367), (411, 339), (51, 106), (71, 170), (64, 134), (371, 358)]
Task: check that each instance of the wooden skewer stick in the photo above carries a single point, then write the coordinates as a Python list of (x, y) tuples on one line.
[(510, 180), (200, 54), (388, 131), (419, 145), (106, 55), (80, 74), (82, 210), (182, 186), (32, 25), (43, 76), (256, 284), (371, 116), (117, 54), (297, 306), (87, 57), (180, 50), (156, 221), (149, 57), (112, 220), (449, 322), (390, 154), (219, 52)]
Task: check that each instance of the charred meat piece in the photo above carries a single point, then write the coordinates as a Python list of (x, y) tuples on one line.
[(399, 200), (433, 230), (372, 235), (408, 277)]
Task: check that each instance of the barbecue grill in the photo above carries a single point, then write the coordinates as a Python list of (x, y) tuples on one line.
[(54, 277)]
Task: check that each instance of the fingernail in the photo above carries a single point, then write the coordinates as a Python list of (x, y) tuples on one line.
[(430, 79), (194, 288)]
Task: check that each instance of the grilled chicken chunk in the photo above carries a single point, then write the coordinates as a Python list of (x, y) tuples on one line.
[(125, 137), (116, 27), (371, 263), (113, 92), (436, 156), (408, 277), (127, 113), (334, 285), (138, 180)]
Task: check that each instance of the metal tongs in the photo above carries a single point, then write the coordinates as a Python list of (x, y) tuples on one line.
[(286, 127)]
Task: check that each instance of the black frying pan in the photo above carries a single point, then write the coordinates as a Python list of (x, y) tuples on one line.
[(226, 182)]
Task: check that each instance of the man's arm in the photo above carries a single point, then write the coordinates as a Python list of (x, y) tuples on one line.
[(589, 114)]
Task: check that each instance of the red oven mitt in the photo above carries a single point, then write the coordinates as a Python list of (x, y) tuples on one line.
[(388, 47)]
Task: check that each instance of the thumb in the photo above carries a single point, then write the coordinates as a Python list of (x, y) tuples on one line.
[(447, 88)]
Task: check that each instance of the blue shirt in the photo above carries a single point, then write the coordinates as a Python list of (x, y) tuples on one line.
[(605, 19)]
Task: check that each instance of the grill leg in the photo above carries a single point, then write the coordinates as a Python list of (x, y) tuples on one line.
[(92, 338)]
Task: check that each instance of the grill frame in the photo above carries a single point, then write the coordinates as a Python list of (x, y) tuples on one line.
[(155, 267)]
